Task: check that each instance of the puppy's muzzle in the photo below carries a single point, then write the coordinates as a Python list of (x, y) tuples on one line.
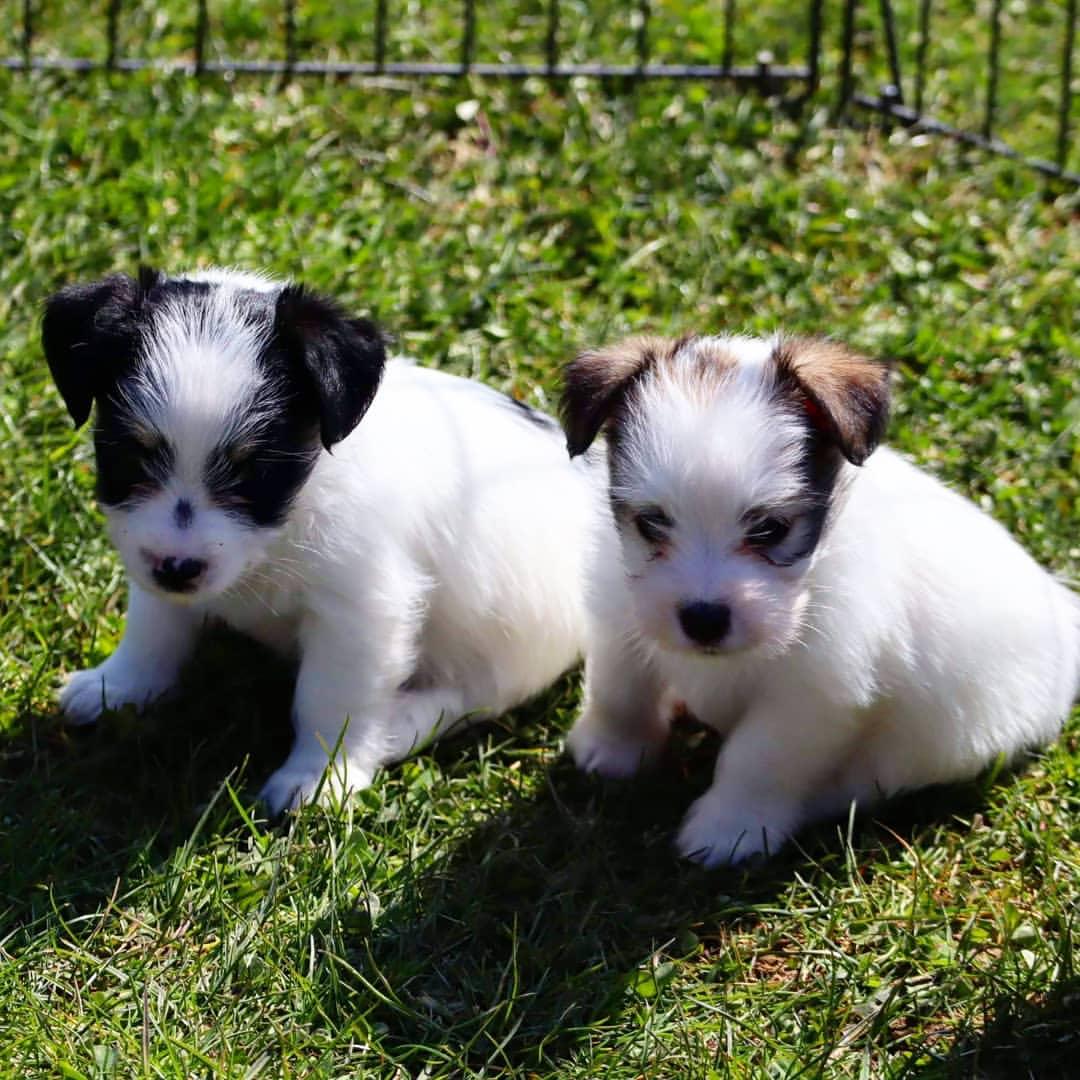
[(179, 575), (704, 623)]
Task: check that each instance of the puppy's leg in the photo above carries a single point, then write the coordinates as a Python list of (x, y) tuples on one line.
[(419, 716), (356, 653), (158, 638), (621, 729), (767, 772)]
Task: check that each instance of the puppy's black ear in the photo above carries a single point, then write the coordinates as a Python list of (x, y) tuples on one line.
[(339, 359), (845, 395), (595, 385), (88, 333)]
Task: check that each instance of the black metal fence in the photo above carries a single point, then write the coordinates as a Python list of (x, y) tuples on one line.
[(869, 39), (904, 99)]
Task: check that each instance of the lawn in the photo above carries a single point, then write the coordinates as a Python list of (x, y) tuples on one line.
[(484, 910)]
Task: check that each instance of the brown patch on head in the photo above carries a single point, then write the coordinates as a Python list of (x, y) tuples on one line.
[(597, 384), (844, 395), (709, 363)]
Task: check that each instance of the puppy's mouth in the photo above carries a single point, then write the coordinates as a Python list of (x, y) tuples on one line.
[(710, 651), (181, 594), (729, 646)]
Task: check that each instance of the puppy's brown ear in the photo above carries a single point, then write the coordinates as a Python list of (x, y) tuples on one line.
[(845, 395), (595, 385)]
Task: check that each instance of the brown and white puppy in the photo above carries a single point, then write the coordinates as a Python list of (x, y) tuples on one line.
[(854, 627)]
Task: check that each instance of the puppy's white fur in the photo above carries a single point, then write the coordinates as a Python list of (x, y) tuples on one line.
[(914, 644), (428, 570)]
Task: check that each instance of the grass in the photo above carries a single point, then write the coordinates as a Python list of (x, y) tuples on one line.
[(484, 910)]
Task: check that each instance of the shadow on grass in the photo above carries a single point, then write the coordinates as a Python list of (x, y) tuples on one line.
[(81, 807), (561, 913), (1035, 1040), (526, 936)]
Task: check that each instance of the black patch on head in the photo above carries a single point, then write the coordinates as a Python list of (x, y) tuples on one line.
[(129, 468), (322, 369), (90, 334), (821, 466), (842, 400), (259, 480), (529, 414), (336, 361)]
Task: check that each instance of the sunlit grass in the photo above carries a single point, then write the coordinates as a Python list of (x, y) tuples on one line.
[(484, 910)]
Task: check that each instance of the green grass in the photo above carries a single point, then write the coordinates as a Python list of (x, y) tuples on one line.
[(483, 909), (1032, 35)]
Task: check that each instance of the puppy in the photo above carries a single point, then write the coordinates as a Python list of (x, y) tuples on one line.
[(423, 567), (853, 627)]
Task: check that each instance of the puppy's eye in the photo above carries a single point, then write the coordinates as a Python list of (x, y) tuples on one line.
[(767, 533), (653, 524)]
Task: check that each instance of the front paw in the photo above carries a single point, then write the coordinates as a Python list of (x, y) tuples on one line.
[(717, 831), (86, 694), (300, 781), (615, 755)]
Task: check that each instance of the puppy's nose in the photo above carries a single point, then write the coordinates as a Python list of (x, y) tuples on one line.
[(705, 623), (178, 575)]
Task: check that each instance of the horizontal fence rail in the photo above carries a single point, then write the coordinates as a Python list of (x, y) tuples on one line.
[(898, 100), (764, 73), (890, 102)]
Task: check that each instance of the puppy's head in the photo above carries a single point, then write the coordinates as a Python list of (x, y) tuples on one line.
[(215, 394), (726, 458)]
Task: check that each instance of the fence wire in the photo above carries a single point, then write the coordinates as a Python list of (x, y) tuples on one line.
[(889, 100), (867, 33)]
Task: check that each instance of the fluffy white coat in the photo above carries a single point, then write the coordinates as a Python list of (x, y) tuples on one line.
[(915, 644), (428, 572)]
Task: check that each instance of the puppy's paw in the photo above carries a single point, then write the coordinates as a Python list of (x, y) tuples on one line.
[(614, 755), (86, 694), (298, 781), (717, 832)]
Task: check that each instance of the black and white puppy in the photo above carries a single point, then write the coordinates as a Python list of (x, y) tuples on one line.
[(853, 626), (425, 572)]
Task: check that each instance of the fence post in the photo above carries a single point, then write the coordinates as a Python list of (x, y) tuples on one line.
[(888, 19), (113, 32), (889, 96), (202, 21), (813, 77), (380, 36), (468, 36), (27, 31), (290, 37), (992, 74), (729, 41), (551, 42), (1065, 105), (642, 36), (847, 81), (764, 73)]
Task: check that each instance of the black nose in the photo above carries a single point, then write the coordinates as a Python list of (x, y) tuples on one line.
[(178, 575), (705, 623)]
